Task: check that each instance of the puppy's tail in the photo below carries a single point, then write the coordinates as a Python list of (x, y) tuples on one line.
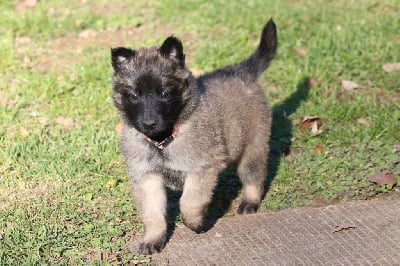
[(258, 62)]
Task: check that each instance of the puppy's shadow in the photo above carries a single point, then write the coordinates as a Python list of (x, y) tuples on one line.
[(229, 185), (282, 131)]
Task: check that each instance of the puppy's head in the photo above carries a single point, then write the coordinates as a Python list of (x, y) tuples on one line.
[(151, 87)]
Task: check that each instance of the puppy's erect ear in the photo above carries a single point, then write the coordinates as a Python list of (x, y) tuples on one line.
[(120, 56), (172, 48)]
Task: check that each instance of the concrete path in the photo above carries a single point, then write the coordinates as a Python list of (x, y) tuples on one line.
[(356, 233)]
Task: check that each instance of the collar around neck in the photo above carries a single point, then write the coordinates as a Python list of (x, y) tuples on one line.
[(164, 143)]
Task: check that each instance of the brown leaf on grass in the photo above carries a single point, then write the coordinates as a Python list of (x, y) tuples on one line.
[(319, 148), (300, 51), (339, 228), (118, 128), (383, 178), (312, 82), (349, 85), (65, 121), (24, 132), (363, 121), (391, 67), (311, 122)]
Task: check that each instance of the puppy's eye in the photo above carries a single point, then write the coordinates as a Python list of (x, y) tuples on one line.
[(133, 96), (165, 94)]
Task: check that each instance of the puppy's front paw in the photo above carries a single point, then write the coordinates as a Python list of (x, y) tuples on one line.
[(142, 246), (148, 248), (246, 208)]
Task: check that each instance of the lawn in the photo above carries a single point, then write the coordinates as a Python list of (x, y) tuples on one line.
[(64, 193)]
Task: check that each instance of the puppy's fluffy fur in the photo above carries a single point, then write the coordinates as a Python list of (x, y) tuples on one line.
[(182, 132)]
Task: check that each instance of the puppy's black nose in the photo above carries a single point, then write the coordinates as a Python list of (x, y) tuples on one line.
[(149, 124)]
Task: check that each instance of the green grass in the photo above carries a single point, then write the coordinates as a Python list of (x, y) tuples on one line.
[(64, 193)]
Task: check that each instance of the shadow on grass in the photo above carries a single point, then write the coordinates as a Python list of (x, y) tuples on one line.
[(282, 130), (229, 184)]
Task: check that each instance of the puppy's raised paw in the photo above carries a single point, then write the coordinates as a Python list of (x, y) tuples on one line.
[(194, 226), (246, 208)]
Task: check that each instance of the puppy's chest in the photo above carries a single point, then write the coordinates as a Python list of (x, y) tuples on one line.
[(173, 169), (170, 160)]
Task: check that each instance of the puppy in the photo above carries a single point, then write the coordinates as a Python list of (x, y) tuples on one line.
[(182, 132)]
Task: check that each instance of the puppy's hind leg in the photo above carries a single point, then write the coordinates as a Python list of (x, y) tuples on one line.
[(252, 173)]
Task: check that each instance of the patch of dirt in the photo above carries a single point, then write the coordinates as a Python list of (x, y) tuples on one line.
[(320, 202), (22, 193), (95, 255), (61, 53), (68, 50)]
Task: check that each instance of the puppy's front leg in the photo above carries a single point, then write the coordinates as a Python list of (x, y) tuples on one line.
[(150, 195), (196, 196)]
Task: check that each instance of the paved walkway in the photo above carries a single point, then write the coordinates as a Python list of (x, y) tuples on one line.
[(356, 233)]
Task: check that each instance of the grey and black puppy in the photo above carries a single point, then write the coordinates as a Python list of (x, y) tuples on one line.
[(182, 132)]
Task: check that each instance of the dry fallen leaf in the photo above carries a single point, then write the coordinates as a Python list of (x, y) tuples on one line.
[(118, 128), (391, 67), (383, 178), (311, 122), (65, 121), (318, 148), (312, 82), (300, 51), (364, 122), (339, 228), (349, 85), (314, 129)]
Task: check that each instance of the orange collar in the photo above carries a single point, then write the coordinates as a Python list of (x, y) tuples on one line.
[(162, 144)]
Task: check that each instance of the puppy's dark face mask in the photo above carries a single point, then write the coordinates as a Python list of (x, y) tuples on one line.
[(152, 107), (149, 87)]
